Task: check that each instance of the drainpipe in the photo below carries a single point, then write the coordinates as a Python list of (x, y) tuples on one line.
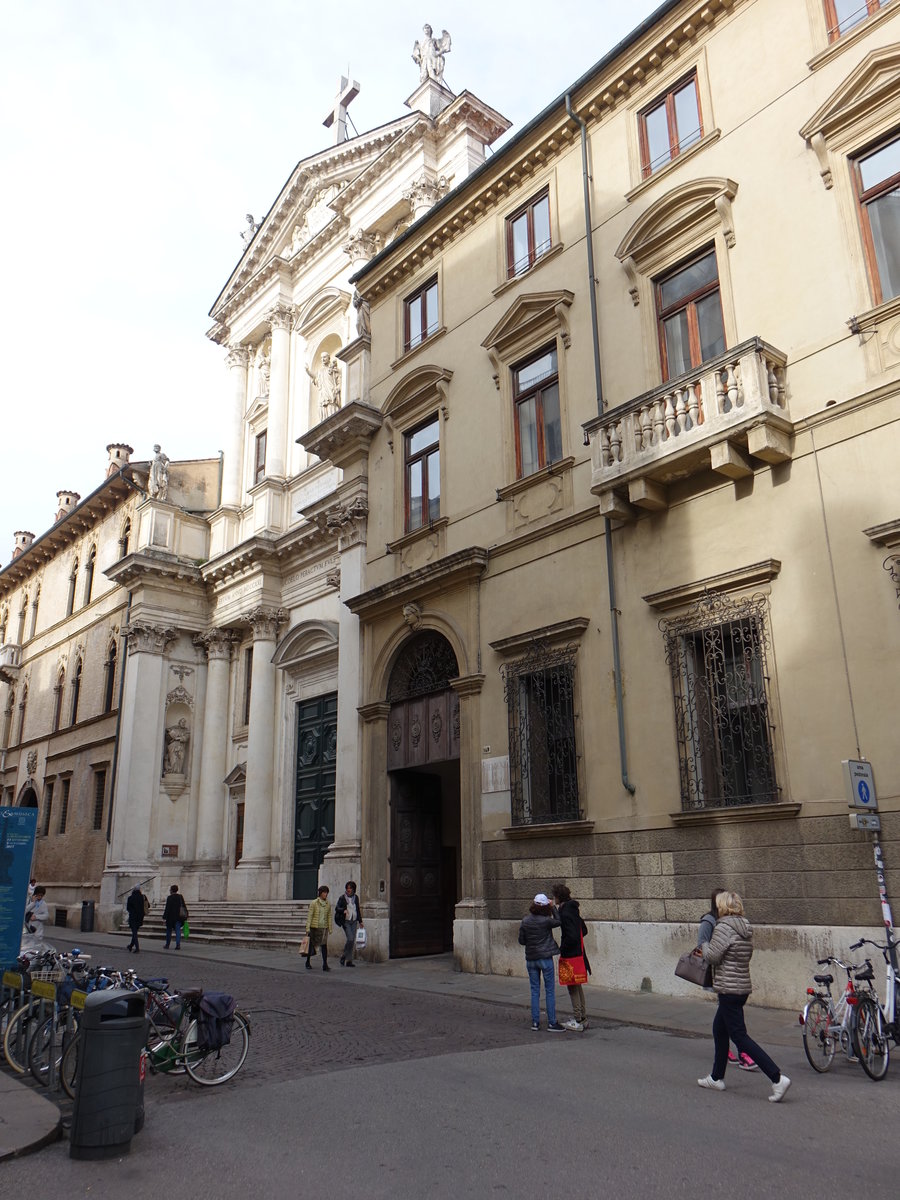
[(115, 759), (595, 334)]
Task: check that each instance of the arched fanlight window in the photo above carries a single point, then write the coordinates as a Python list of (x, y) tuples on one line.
[(125, 539)]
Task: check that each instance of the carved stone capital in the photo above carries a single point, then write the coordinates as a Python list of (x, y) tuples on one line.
[(144, 638), (217, 643), (281, 317), (264, 622), (238, 357), (348, 521), (425, 193), (361, 246)]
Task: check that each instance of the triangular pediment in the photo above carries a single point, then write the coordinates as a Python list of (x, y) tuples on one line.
[(257, 408), (237, 776), (528, 314), (872, 84)]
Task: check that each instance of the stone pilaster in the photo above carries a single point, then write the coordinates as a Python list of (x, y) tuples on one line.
[(237, 361), (211, 797), (375, 822), (471, 933), (281, 320)]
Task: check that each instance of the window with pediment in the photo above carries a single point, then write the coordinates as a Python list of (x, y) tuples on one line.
[(415, 413), (422, 474)]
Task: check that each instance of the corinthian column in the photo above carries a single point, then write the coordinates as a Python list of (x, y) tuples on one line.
[(280, 320), (236, 361), (257, 848), (211, 795)]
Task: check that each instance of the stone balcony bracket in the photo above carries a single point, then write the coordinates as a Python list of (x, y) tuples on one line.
[(10, 661), (727, 415)]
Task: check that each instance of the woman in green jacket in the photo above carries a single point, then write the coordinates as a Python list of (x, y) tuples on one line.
[(318, 927)]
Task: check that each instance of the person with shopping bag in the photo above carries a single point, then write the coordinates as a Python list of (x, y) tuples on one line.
[(318, 927), (348, 917), (573, 959)]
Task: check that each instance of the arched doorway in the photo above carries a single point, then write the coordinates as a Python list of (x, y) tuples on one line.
[(423, 768), (28, 799)]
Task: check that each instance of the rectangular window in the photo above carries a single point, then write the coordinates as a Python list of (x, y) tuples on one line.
[(259, 458), (527, 235), (423, 475), (843, 15), (64, 805), (538, 421), (717, 656), (878, 188), (689, 310), (542, 757), (48, 806), (420, 315), (670, 125), (248, 680), (99, 797)]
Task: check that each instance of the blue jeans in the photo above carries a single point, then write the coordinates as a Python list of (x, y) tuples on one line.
[(537, 967), (177, 929)]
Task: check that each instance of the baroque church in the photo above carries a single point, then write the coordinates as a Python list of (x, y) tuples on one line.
[(556, 535)]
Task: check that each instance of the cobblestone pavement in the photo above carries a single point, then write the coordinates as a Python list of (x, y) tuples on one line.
[(313, 1023)]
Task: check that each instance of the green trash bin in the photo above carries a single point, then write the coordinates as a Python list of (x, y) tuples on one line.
[(108, 1090)]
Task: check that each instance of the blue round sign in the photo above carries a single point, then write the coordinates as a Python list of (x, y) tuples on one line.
[(862, 789)]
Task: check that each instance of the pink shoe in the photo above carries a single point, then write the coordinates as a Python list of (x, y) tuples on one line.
[(733, 1058), (747, 1064)]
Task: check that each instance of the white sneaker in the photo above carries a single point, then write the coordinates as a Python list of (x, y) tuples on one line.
[(779, 1088), (717, 1085), (574, 1026)]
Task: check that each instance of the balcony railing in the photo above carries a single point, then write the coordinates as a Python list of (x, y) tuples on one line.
[(719, 417), (10, 657)]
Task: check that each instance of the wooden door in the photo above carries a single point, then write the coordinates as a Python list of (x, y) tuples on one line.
[(239, 832), (418, 914), (314, 790)]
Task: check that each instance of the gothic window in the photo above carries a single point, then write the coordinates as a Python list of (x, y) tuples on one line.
[(543, 775), (73, 579), (670, 124), (717, 654), (99, 798), (89, 575), (877, 175), (259, 457), (58, 700), (64, 804), (76, 692), (420, 314), (48, 806), (34, 610), (423, 474), (538, 425), (689, 311), (843, 15), (125, 539), (109, 668), (425, 664), (528, 234), (22, 706)]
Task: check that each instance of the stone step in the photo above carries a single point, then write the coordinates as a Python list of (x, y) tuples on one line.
[(274, 923)]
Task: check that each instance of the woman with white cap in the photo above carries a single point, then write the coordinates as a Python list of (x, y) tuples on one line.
[(540, 947)]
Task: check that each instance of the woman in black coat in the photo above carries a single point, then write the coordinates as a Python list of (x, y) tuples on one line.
[(174, 914), (134, 907), (572, 931)]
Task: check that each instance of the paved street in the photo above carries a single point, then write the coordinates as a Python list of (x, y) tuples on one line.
[(359, 1085)]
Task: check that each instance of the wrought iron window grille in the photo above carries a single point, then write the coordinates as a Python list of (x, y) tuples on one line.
[(543, 763), (718, 656)]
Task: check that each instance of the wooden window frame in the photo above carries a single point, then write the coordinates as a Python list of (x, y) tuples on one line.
[(863, 199), (667, 98), (424, 332), (259, 456), (833, 23), (535, 391), (420, 456), (513, 270), (688, 302)]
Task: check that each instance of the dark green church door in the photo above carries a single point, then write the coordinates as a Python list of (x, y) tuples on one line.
[(314, 790)]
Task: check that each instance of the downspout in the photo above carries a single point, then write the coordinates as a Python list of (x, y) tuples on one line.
[(607, 524), (115, 760)]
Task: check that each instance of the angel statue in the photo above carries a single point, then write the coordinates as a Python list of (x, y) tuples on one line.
[(429, 53)]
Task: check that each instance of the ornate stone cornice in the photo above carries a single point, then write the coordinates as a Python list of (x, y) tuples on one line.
[(265, 622), (217, 643), (144, 638)]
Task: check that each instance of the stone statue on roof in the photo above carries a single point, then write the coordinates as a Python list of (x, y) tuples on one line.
[(158, 482), (248, 234), (429, 53)]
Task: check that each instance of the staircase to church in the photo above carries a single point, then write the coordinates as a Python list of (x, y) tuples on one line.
[(272, 924)]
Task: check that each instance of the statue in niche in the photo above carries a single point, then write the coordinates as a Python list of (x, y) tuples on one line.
[(363, 325), (428, 54), (158, 483), (248, 234), (328, 384), (177, 737), (263, 371)]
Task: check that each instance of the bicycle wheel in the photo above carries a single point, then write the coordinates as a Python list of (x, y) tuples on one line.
[(818, 1036), (68, 1067), (39, 1047), (15, 1039), (210, 1067), (870, 1040)]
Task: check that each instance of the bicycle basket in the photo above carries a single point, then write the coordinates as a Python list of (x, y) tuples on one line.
[(49, 974)]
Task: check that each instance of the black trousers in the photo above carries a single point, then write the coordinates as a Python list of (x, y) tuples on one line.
[(134, 935), (728, 1025)]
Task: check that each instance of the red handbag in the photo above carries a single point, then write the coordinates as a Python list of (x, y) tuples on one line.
[(573, 971)]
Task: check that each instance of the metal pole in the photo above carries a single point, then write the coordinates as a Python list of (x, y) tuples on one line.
[(886, 914)]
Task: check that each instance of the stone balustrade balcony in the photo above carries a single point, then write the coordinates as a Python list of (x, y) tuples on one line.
[(721, 416)]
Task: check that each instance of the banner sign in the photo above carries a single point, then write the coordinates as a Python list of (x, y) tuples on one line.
[(17, 829)]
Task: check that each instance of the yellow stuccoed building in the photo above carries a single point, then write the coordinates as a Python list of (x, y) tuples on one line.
[(630, 428)]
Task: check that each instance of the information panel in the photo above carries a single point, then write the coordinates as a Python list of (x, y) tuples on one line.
[(17, 829)]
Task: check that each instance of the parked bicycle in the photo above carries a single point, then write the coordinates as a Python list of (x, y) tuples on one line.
[(877, 1025), (829, 1024)]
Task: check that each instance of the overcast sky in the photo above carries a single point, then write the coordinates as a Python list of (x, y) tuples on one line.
[(134, 137)]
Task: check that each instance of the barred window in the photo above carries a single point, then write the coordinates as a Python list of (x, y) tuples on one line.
[(64, 805), (543, 775), (717, 653), (48, 806), (99, 797)]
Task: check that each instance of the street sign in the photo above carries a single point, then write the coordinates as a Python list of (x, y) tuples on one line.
[(859, 779), (864, 820)]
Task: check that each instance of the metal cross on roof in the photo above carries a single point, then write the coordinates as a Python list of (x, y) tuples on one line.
[(347, 92)]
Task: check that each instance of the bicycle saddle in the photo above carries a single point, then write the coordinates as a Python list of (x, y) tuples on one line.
[(865, 975), (824, 979)]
